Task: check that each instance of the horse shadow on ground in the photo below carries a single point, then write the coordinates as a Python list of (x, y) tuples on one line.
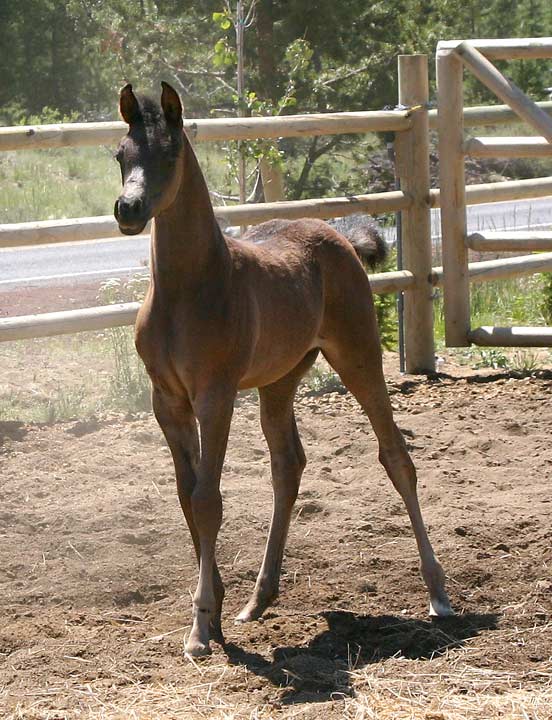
[(406, 387), (321, 671), (12, 430)]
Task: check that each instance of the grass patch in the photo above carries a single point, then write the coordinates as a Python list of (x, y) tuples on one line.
[(515, 301), (72, 182), (73, 377), (60, 183)]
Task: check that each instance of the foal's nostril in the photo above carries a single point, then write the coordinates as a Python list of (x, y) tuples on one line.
[(136, 206), (129, 209)]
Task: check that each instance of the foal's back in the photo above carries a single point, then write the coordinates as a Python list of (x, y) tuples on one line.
[(306, 259)]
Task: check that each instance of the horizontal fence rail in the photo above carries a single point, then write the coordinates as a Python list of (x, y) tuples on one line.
[(480, 116), (83, 229), (501, 268), (506, 49), (35, 137), (514, 241), (67, 322), (512, 336), (508, 147), (208, 130), (501, 191), (109, 316), (46, 232)]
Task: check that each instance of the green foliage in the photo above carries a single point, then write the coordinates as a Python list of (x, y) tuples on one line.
[(491, 357), (129, 380), (73, 56), (321, 379), (386, 312), (223, 19), (520, 360), (386, 309), (515, 301), (49, 116), (547, 297), (525, 361)]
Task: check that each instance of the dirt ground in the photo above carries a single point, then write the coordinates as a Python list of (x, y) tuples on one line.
[(32, 299), (97, 566)]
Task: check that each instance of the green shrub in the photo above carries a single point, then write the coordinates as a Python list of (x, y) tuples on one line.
[(130, 385), (547, 297), (386, 309)]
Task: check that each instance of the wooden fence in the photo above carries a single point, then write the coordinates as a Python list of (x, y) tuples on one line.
[(411, 126), (476, 56)]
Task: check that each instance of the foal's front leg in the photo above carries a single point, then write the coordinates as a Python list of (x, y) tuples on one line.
[(214, 412), (176, 418)]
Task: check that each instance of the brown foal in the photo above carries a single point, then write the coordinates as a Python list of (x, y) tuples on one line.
[(223, 314)]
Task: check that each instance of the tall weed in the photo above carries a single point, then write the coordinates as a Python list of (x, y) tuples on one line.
[(547, 297), (129, 385)]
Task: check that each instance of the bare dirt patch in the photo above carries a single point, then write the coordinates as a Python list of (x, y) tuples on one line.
[(97, 567), (32, 299)]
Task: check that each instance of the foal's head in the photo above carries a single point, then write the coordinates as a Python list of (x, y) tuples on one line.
[(150, 156)]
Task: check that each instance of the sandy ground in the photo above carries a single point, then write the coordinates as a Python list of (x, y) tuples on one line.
[(40, 299), (97, 566)]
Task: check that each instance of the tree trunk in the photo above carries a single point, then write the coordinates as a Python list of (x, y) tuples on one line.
[(315, 151), (265, 50)]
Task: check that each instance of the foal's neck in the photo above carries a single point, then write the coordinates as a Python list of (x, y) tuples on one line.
[(188, 247)]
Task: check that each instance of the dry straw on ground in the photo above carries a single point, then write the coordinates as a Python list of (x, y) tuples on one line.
[(454, 686)]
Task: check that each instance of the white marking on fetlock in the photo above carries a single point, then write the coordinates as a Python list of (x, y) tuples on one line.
[(440, 608), (198, 642)]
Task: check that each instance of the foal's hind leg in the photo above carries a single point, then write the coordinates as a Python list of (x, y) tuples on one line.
[(287, 461), (356, 356)]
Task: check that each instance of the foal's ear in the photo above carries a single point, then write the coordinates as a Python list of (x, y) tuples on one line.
[(170, 102), (128, 105)]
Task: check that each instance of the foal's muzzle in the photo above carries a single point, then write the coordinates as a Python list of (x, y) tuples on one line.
[(132, 214)]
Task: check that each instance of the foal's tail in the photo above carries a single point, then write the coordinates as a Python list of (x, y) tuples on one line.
[(365, 236)]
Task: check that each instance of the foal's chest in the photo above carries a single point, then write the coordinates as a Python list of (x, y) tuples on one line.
[(175, 347), (153, 343)]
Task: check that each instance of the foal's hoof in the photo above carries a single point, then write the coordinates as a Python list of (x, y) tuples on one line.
[(440, 607), (247, 616), (197, 649), (252, 611), (256, 606)]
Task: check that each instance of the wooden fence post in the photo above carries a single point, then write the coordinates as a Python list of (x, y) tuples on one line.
[(453, 198), (412, 154), (273, 181)]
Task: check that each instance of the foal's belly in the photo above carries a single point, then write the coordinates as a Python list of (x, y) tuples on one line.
[(279, 353), (287, 321), (262, 376)]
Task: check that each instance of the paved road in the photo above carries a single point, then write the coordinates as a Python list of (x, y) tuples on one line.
[(98, 259)]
